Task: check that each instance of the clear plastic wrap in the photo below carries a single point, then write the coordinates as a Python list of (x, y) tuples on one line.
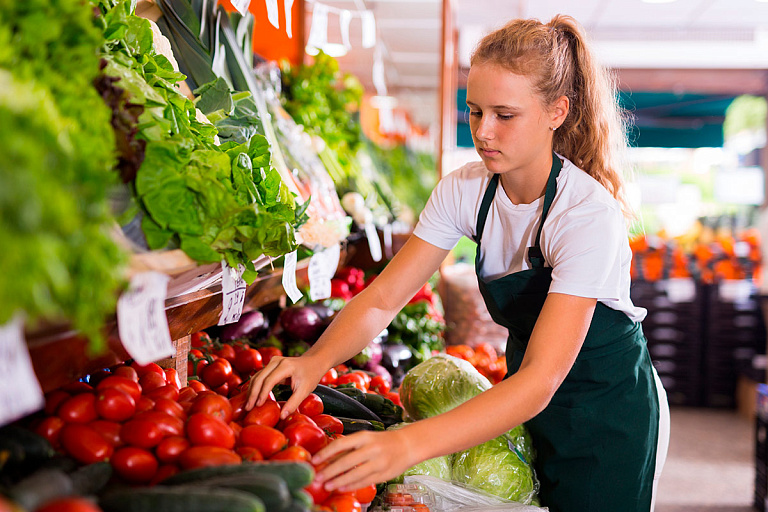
[(439, 384), (456, 497)]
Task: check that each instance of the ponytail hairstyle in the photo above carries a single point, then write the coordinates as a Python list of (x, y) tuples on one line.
[(558, 61)]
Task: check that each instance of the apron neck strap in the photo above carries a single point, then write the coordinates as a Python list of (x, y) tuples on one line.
[(535, 256), (485, 205)]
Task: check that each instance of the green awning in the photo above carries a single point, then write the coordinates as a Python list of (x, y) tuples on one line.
[(660, 119)]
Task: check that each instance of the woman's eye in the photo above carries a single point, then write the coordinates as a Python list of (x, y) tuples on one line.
[(505, 117), (475, 113)]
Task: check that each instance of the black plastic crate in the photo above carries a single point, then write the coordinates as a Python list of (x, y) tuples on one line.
[(761, 463), (682, 390)]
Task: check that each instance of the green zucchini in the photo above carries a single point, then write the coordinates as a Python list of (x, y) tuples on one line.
[(303, 497), (268, 487), (352, 392), (296, 474), (389, 412), (22, 450), (352, 425), (92, 478), (337, 403), (180, 499)]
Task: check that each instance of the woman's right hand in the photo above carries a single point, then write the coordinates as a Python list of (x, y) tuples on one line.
[(303, 372)]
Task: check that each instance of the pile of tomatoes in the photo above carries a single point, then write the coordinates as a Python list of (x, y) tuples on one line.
[(148, 427), (484, 358)]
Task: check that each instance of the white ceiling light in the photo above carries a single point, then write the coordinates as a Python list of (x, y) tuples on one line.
[(659, 1)]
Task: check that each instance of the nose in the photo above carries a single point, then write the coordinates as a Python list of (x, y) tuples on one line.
[(483, 128)]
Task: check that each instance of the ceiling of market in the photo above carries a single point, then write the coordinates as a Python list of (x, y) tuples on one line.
[(709, 34)]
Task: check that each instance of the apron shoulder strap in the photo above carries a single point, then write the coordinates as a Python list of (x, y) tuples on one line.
[(535, 256), (485, 205)]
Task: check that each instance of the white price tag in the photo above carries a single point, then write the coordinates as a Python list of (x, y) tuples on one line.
[(322, 267), (289, 277), (374, 244), (232, 293), (241, 6), (735, 290), (288, 19), (681, 290), (141, 321), (20, 392), (272, 15)]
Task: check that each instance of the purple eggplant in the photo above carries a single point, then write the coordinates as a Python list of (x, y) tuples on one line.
[(252, 324), (301, 323)]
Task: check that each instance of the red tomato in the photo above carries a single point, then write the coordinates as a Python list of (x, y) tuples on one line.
[(312, 405), (249, 453), (148, 368), (238, 403), (50, 428), (187, 394), (354, 378), (151, 380), (171, 407), (365, 376), (307, 435), (69, 504), (172, 377), (195, 353), (340, 289), (144, 404), (380, 385), (127, 372), (365, 494), (169, 424), (79, 408), (395, 397), (84, 443), (109, 430), (206, 430), (195, 367), (343, 503), (170, 448), (267, 414), (226, 351), (163, 472), (134, 465), (215, 405), (222, 390), (122, 383), (217, 373), (248, 360), (200, 339), (205, 456), (168, 391), (197, 385), (267, 353), (267, 440), (295, 453), (318, 491), (114, 404), (53, 400), (236, 428), (329, 424), (329, 379), (295, 417), (341, 368), (141, 433)]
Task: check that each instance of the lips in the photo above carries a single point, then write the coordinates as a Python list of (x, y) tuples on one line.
[(489, 152)]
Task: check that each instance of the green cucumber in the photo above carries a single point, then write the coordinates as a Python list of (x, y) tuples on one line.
[(268, 487), (180, 499), (337, 403), (296, 474), (389, 412), (303, 497), (43, 485), (352, 425)]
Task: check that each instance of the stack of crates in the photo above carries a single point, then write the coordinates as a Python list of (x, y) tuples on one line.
[(735, 333), (674, 330)]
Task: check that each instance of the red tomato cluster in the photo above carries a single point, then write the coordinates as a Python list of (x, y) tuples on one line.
[(484, 358), (149, 428), (348, 282)]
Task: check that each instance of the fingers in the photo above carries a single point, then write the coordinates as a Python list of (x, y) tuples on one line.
[(352, 463), (262, 383)]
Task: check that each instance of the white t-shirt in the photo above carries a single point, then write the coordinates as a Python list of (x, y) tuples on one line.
[(584, 238)]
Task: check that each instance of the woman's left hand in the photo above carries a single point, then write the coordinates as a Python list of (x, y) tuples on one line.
[(363, 458)]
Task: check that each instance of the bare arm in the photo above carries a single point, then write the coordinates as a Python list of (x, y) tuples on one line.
[(361, 320), (554, 345)]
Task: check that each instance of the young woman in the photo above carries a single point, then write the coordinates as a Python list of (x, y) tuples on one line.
[(545, 208)]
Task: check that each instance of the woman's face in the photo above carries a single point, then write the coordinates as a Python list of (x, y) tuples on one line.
[(510, 127)]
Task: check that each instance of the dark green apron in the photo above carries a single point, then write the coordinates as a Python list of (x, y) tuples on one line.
[(596, 440)]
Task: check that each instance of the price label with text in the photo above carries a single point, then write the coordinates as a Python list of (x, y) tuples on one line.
[(322, 267), (374, 244), (20, 392), (289, 277), (141, 321), (232, 293)]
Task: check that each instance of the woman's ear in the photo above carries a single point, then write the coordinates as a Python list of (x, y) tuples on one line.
[(560, 111)]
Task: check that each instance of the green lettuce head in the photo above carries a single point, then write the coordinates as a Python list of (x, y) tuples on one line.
[(439, 384), (496, 468), (439, 467)]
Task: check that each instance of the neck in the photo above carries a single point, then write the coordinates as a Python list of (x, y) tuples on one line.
[(526, 184)]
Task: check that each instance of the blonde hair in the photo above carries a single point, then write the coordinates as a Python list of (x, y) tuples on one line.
[(559, 62)]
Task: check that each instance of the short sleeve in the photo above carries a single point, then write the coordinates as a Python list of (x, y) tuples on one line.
[(439, 222), (586, 250)]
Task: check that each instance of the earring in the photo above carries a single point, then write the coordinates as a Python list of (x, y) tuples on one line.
[(553, 128)]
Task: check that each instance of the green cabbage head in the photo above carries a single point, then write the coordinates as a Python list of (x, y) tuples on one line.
[(439, 384), (439, 467), (496, 468)]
